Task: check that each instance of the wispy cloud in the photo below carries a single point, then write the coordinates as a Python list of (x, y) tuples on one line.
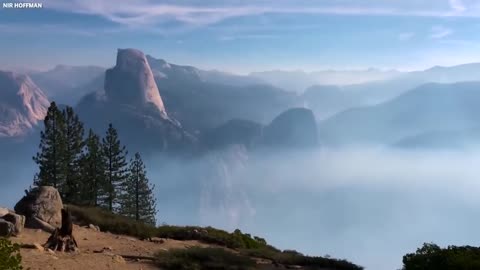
[(56, 29), (438, 32), (457, 5), (251, 36), (148, 13), (406, 36)]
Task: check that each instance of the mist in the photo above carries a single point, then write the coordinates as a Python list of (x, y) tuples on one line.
[(370, 205)]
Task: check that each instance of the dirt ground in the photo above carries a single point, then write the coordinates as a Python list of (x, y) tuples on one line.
[(98, 251)]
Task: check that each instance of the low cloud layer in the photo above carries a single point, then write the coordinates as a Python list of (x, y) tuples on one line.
[(370, 205)]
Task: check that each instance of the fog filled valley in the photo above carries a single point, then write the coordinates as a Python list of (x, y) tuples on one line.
[(367, 171), (369, 205)]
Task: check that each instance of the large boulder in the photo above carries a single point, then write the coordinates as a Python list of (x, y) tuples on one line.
[(18, 222), (6, 228), (42, 206)]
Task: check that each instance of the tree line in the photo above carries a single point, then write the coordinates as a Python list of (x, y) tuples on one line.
[(90, 170)]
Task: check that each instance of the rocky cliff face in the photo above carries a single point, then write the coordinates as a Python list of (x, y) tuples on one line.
[(131, 101), (131, 82), (22, 104)]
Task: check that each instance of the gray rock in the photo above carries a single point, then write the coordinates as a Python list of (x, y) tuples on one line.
[(18, 222), (41, 205), (94, 227), (6, 228)]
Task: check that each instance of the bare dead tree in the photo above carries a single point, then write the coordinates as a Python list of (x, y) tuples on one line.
[(62, 238)]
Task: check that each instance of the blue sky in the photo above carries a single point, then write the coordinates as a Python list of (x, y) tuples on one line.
[(245, 35)]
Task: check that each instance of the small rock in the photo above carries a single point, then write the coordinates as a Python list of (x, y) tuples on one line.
[(107, 249), (39, 247), (93, 227), (118, 259), (18, 222), (85, 238), (7, 229)]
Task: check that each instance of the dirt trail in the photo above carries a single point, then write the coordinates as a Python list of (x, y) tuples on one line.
[(90, 241)]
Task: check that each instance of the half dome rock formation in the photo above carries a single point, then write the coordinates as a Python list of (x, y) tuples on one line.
[(22, 104), (294, 128), (131, 81), (131, 102)]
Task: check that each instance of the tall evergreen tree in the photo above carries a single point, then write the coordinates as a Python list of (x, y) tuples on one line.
[(52, 146), (72, 156), (138, 201), (116, 169), (93, 171)]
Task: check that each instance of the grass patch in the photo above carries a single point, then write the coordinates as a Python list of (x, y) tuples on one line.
[(292, 257), (111, 222), (245, 245), (197, 258)]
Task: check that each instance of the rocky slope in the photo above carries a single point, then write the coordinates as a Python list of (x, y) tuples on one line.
[(22, 104)]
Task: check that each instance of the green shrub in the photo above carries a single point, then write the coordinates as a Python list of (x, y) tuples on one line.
[(432, 257), (10, 258), (292, 257), (209, 235), (111, 222), (197, 258)]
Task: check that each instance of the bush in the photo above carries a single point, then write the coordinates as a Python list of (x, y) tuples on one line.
[(111, 222), (209, 235), (292, 257), (10, 258), (197, 258), (432, 257)]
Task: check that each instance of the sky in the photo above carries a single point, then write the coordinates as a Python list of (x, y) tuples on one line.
[(241, 36)]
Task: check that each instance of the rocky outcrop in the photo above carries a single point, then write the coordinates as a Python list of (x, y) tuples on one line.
[(6, 228), (131, 81), (18, 222), (42, 206), (131, 102), (22, 104), (295, 128)]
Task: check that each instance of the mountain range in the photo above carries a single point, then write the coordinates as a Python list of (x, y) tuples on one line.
[(428, 109), (167, 107), (22, 104)]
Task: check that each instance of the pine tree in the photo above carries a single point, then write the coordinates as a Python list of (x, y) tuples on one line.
[(116, 169), (138, 201), (72, 156), (52, 146), (93, 171)]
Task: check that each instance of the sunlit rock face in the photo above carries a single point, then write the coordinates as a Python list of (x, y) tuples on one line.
[(22, 104), (131, 102), (131, 81)]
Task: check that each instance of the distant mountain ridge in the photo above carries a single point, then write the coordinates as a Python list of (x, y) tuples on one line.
[(22, 104), (65, 84), (428, 108)]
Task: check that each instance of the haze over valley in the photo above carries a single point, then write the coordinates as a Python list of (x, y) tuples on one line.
[(341, 128)]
